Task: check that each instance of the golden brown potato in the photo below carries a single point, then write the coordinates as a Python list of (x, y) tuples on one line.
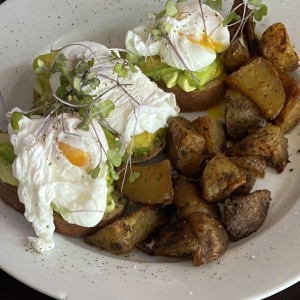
[(121, 235), (289, 116), (267, 142), (213, 133), (260, 81), (220, 178), (275, 45), (241, 115), (245, 214), (153, 186), (184, 146), (212, 236), (198, 100), (236, 55), (188, 200), (199, 236)]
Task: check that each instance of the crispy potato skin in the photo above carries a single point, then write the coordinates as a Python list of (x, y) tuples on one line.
[(241, 115), (10, 196), (267, 142), (288, 83), (213, 133), (236, 56), (122, 235), (289, 116), (184, 146), (252, 165), (177, 239), (198, 100), (220, 178), (245, 214), (142, 190), (188, 200), (199, 236), (275, 45), (259, 80), (212, 237)]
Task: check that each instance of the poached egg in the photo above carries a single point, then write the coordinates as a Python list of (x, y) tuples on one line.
[(52, 165), (197, 42)]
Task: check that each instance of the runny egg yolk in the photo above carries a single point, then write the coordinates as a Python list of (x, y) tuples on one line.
[(205, 41), (75, 155)]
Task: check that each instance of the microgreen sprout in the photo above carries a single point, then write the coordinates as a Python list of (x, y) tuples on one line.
[(14, 120)]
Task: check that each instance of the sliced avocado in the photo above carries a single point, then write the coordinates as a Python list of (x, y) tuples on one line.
[(170, 79), (144, 143), (184, 83), (186, 80)]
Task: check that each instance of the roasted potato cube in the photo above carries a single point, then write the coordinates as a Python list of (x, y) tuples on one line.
[(267, 142), (245, 214), (212, 236), (188, 200), (121, 235), (220, 178), (236, 55), (199, 236), (184, 146), (289, 116), (153, 186), (260, 81), (275, 45), (241, 115), (213, 133)]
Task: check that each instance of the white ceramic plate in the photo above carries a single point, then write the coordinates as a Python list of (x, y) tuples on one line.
[(256, 267)]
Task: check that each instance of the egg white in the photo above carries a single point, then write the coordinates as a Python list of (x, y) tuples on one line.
[(48, 179)]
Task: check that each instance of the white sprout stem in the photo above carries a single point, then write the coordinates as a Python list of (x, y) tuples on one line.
[(63, 127), (46, 119)]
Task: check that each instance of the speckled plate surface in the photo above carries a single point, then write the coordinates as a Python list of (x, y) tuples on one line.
[(256, 267)]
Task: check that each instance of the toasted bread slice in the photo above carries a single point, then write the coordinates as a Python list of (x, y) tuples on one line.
[(9, 195), (198, 100)]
